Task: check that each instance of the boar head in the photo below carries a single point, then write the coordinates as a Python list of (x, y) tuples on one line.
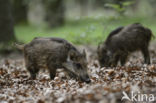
[(105, 56), (76, 65)]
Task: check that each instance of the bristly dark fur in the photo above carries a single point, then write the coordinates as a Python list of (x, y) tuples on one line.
[(53, 53), (114, 32), (123, 41)]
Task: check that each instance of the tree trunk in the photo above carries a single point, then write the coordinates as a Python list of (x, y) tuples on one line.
[(6, 23), (153, 5), (19, 11), (54, 12), (83, 7)]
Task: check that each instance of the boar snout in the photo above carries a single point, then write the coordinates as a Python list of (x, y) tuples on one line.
[(85, 79)]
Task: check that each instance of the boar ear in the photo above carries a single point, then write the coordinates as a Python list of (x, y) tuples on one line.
[(109, 53), (72, 53), (84, 53), (98, 47), (68, 58)]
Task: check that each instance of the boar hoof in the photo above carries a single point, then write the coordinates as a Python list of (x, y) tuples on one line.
[(52, 77), (88, 81), (33, 76)]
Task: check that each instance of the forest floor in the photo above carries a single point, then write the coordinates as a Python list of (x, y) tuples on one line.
[(108, 85)]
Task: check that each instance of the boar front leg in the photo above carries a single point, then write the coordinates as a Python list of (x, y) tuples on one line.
[(145, 52), (115, 61), (52, 70), (123, 58), (71, 75)]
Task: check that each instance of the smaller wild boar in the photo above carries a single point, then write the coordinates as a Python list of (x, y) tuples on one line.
[(122, 41), (53, 53)]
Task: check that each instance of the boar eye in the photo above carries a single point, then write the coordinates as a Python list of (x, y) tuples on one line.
[(78, 65)]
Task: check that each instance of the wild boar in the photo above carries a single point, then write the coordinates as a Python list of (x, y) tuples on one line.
[(123, 41), (53, 53)]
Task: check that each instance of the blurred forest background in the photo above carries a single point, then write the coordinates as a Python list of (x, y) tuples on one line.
[(79, 21)]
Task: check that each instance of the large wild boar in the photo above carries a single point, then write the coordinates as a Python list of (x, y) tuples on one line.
[(53, 53), (123, 41)]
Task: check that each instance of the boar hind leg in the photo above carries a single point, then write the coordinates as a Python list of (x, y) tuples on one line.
[(145, 52), (33, 71), (31, 66)]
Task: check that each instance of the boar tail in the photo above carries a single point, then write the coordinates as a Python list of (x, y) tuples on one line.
[(152, 36), (19, 46)]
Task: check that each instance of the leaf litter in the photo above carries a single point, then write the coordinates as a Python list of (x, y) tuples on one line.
[(107, 84)]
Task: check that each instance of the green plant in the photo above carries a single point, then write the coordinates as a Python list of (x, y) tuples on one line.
[(120, 8)]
